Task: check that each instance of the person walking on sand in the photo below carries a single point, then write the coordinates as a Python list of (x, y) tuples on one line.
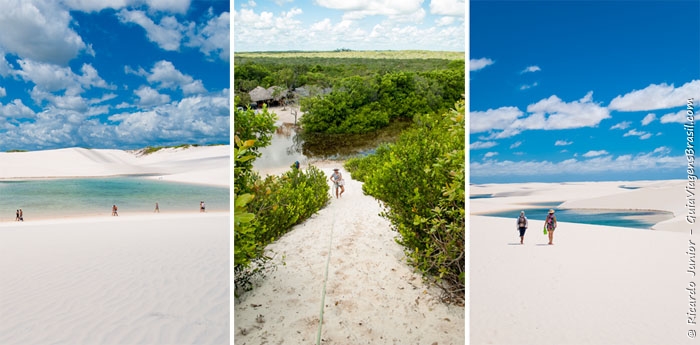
[(521, 225), (114, 210), (202, 206), (338, 182), (17, 216), (21, 215), (550, 224), (157, 210)]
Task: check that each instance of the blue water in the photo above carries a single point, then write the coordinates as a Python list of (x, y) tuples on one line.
[(629, 219), (481, 196), (95, 196)]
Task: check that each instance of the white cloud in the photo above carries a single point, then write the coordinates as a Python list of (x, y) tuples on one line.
[(648, 119), (53, 78), (16, 109), (549, 114), (358, 9), (655, 160), (622, 125), (3, 92), (482, 145), (490, 154), (149, 97), (447, 7), (594, 153), (526, 86), (212, 37), (563, 143), (196, 116), (187, 120), (501, 118), (530, 69), (167, 33), (477, 64), (38, 30), (177, 6), (678, 117), (255, 31), (165, 75), (5, 68), (642, 135), (563, 115), (95, 5), (444, 21), (516, 144), (653, 97)]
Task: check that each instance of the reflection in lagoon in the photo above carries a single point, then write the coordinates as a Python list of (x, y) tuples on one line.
[(289, 143)]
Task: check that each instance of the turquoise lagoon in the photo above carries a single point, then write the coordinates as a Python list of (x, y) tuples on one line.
[(623, 218), (54, 198)]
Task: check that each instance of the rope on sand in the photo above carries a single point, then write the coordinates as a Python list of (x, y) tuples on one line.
[(325, 280)]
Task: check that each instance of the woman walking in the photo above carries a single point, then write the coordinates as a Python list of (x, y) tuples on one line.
[(521, 225), (550, 224)]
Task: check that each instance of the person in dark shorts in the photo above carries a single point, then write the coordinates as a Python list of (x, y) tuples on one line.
[(521, 225)]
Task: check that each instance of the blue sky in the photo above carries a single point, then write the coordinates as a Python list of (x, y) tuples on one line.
[(327, 25), (581, 91), (113, 73)]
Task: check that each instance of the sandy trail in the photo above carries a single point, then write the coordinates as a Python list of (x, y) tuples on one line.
[(372, 294)]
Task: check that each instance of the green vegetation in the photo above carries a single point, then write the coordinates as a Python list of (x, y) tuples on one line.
[(257, 129), (420, 179), (364, 104), (13, 151), (151, 149), (265, 209), (319, 70), (359, 54)]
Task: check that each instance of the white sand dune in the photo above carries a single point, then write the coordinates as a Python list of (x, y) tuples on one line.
[(372, 297), (596, 284), (204, 165), (146, 279), (134, 279)]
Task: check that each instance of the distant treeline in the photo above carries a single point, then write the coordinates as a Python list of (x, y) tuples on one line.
[(366, 92)]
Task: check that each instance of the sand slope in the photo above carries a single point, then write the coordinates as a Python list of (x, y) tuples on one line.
[(596, 285), (372, 295), (148, 279), (206, 164)]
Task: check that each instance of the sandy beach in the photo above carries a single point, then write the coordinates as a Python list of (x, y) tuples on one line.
[(372, 294), (596, 284), (134, 279)]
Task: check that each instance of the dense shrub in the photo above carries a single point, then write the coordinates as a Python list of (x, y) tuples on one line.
[(420, 179), (264, 209), (363, 104), (281, 202), (273, 206), (256, 129)]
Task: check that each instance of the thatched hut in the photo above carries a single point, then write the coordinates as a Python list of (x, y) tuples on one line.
[(260, 95)]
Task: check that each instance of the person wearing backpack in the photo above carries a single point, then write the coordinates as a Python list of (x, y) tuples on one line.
[(521, 225)]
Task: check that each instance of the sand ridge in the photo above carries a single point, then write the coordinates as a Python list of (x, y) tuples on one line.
[(203, 164), (146, 278), (596, 284)]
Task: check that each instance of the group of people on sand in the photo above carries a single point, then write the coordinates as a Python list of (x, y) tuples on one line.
[(550, 223), (19, 215), (115, 209)]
